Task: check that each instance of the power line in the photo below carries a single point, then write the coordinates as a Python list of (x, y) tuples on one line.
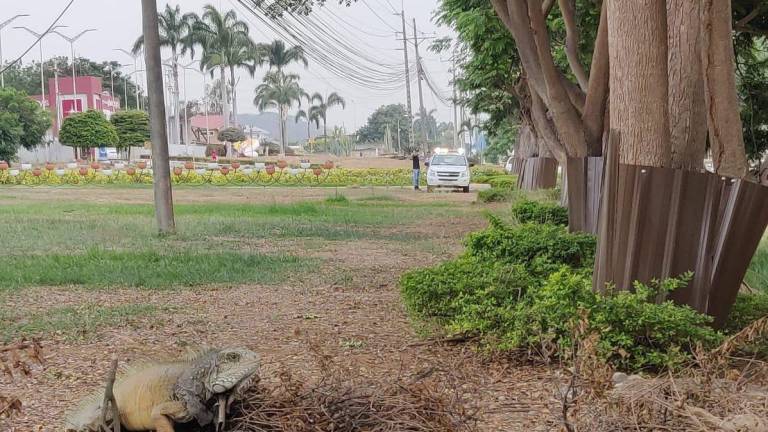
[(48, 30), (378, 16)]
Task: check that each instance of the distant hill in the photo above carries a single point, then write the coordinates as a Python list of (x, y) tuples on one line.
[(269, 122)]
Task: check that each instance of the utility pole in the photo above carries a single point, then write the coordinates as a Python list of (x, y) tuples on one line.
[(2, 61), (160, 165), (407, 80), (399, 144), (422, 110), (455, 110), (40, 37)]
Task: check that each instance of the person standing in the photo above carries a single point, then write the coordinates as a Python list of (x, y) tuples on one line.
[(416, 171)]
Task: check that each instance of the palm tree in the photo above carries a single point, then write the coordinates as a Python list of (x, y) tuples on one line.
[(310, 115), (226, 43), (278, 56), (279, 91), (324, 105), (175, 33)]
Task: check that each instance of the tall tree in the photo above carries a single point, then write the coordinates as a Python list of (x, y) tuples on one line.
[(23, 123), (387, 116), (226, 43), (279, 91), (278, 56), (310, 115), (324, 104), (175, 30)]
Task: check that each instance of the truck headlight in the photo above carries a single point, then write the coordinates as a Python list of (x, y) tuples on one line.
[(431, 174), (464, 174)]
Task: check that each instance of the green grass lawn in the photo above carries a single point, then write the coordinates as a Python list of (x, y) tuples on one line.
[(115, 245)]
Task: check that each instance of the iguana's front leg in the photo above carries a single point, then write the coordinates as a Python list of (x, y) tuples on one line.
[(164, 415)]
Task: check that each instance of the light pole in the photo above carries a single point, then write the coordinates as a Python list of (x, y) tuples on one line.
[(2, 61), (72, 41), (135, 58), (40, 37), (138, 107)]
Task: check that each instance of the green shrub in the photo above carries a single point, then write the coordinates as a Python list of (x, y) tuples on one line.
[(528, 211), (503, 182), (635, 333), (494, 195), (524, 243), (747, 309), (444, 292)]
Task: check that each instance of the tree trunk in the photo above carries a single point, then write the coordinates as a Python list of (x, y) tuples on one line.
[(568, 9), (594, 114), (637, 41), (687, 110), (224, 96), (234, 95), (282, 131), (725, 129)]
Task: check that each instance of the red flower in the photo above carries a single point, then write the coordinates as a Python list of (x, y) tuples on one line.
[(142, 165), (131, 171), (83, 171), (177, 171)]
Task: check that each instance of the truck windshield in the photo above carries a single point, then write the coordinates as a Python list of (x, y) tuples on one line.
[(449, 160)]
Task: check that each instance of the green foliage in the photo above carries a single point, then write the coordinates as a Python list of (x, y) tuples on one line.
[(451, 289), (635, 333), (337, 199), (501, 142), (132, 128), (495, 195), (528, 211), (508, 182), (747, 309), (87, 130), (528, 242), (232, 135), (375, 128), (23, 123)]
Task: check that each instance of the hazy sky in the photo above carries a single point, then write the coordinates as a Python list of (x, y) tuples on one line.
[(366, 25)]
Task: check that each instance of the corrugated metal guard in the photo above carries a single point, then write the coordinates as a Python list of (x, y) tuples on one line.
[(517, 166), (657, 223), (585, 181), (538, 173)]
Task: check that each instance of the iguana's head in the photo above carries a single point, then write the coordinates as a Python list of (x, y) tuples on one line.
[(234, 367)]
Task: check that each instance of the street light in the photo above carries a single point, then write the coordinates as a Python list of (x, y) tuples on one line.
[(138, 106), (2, 62), (40, 37), (135, 58), (72, 41)]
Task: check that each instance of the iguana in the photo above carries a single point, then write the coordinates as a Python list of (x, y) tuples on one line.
[(155, 396)]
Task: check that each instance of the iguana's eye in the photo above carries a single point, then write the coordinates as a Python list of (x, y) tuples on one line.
[(232, 357)]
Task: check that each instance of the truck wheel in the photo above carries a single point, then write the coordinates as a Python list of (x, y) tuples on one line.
[(465, 189), (430, 189)]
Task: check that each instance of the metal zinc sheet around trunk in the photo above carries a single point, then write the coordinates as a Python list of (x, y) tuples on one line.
[(584, 185), (538, 173), (516, 166), (657, 223)]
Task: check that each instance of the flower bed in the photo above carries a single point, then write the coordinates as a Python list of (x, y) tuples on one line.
[(277, 173)]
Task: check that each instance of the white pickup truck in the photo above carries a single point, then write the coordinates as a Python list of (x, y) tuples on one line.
[(448, 171)]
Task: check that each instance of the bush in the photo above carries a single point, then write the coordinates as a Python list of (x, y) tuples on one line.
[(508, 182), (635, 333), (459, 287), (525, 243), (494, 195), (528, 211), (337, 199), (747, 309)]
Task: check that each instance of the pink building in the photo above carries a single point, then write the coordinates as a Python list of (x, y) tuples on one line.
[(89, 96)]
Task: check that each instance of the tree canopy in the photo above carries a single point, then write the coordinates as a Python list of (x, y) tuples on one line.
[(88, 129), (23, 123), (132, 128), (376, 127)]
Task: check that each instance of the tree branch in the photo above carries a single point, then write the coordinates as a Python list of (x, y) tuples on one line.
[(546, 7), (567, 7), (597, 91), (750, 16), (567, 121)]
